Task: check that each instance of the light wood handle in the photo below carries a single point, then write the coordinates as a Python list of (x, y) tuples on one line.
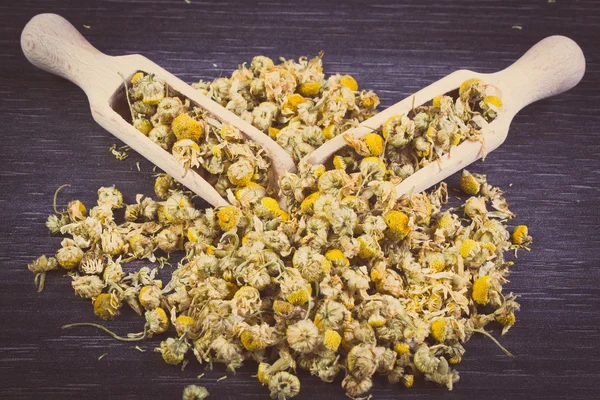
[(552, 66), (51, 43)]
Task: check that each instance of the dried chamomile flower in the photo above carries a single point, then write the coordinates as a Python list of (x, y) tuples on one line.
[(362, 361), (69, 256), (229, 217), (76, 211), (186, 127), (475, 207), (309, 89), (173, 350), (92, 263), (470, 84), (171, 239), (194, 392), (39, 268), (520, 236), (106, 306), (149, 89), (257, 337), (284, 385), (372, 168), (113, 272), (485, 290), (141, 246), (163, 136), (368, 100), (443, 375), (241, 172), (110, 196), (371, 145), (185, 325), (163, 185), (331, 340), (441, 330), (398, 224), (261, 64), (150, 297), (87, 286), (491, 105), (142, 109), (187, 153), (303, 336), (264, 115), (249, 194), (505, 314), (469, 184), (168, 109), (355, 387), (331, 315), (246, 301), (143, 125), (425, 360), (398, 130), (178, 208), (349, 82), (56, 222)]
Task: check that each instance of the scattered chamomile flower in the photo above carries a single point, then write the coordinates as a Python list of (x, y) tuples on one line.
[(194, 392)]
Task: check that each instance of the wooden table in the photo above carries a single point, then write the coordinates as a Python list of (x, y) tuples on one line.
[(548, 165)]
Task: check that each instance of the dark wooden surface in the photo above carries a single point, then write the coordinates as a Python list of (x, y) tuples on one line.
[(550, 158)]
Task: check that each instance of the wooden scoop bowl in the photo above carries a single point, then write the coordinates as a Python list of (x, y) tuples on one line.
[(552, 66), (51, 43)]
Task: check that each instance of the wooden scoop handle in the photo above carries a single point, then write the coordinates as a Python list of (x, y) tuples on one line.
[(552, 66), (51, 43)]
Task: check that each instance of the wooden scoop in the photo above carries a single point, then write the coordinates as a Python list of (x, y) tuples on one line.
[(51, 43), (554, 65)]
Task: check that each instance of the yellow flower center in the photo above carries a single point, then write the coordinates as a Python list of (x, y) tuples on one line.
[(229, 217), (185, 127), (469, 184), (329, 131), (349, 82), (397, 223), (375, 144), (520, 234), (438, 330), (401, 348), (306, 207), (481, 288), (309, 89), (274, 132), (137, 76), (332, 340), (468, 247), (297, 297)]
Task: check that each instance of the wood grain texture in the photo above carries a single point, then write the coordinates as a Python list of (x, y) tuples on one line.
[(551, 158)]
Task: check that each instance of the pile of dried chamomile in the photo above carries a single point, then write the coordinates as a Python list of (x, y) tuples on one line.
[(345, 283)]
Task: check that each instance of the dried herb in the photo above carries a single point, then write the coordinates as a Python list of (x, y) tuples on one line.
[(349, 280)]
